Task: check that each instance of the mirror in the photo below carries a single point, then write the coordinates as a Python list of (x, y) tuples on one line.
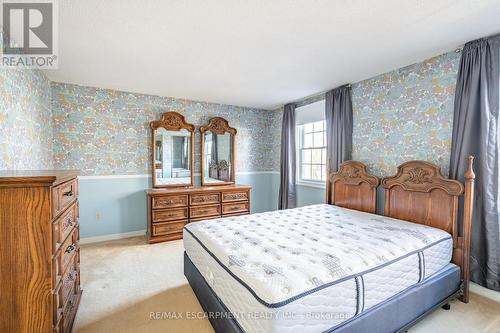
[(172, 157), (217, 153), (172, 151)]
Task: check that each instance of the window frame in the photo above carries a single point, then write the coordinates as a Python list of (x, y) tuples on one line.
[(299, 148)]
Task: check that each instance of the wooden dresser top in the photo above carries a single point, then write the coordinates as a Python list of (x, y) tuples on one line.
[(197, 189), (48, 177)]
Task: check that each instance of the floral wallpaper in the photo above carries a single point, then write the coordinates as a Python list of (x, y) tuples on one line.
[(105, 132), (25, 120), (405, 114)]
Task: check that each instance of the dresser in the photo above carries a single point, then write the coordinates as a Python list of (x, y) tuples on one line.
[(169, 210), (39, 253)]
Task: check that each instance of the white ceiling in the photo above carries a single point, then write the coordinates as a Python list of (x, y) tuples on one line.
[(257, 53)]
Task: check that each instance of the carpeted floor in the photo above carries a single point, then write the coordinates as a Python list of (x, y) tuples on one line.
[(125, 281)]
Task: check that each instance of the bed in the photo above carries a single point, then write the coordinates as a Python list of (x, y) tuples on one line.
[(336, 267)]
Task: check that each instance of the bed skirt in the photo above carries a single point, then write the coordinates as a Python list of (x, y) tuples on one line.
[(398, 313)]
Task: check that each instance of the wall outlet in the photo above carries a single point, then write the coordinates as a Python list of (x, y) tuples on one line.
[(97, 216)]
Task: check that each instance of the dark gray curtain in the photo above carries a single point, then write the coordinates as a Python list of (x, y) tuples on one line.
[(475, 132), (287, 196), (338, 115)]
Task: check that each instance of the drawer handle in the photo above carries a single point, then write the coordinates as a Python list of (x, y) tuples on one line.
[(71, 277), (70, 306), (70, 248), (174, 213), (69, 193), (171, 201), (205, 211)]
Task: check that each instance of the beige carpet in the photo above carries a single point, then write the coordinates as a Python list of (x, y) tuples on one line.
[(124, 281)]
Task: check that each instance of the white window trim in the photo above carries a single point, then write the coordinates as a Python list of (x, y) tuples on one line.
[(304, 182)]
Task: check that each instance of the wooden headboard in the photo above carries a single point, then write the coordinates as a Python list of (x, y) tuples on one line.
[(420, 193), (352, 187)]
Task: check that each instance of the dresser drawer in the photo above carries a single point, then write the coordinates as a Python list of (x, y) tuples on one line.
[(69, 283), (170, 209), (173, 214), (66, 254), (168, 228), (66, 313), (235, 196), (170, 201), (204, 199), (67, 307), (62, 227), (70, 308), (235, 207), (203, 211), (63, 196), (65, 289)]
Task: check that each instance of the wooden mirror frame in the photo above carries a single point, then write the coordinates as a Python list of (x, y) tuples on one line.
[(218, 125), (171, 121)]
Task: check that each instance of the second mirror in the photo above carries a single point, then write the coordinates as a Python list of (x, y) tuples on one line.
[(217, 152)]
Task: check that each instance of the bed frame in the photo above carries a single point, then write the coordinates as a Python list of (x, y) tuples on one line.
[(418, 193), (352, 187)]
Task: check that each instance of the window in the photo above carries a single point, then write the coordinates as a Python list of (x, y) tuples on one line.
[(311, 155)]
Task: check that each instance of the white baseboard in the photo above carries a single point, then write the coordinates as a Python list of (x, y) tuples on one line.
[(96, 239)]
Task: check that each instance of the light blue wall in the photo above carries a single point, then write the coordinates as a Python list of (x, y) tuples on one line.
[(121, 202), (264, 195), (307, 195)]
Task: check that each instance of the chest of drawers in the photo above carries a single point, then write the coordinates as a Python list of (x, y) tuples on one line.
[(170, 209), (39, 255)]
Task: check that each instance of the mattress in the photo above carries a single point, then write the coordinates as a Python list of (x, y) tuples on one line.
[(310, 269)]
